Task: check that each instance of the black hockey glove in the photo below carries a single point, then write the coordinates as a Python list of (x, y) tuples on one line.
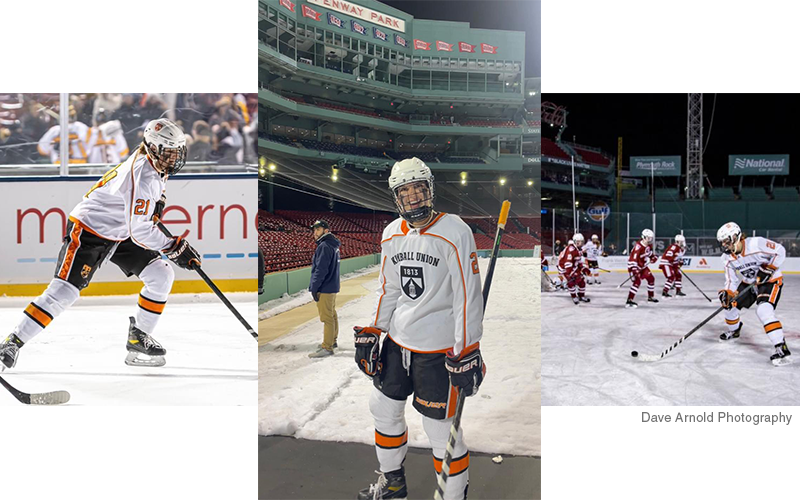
[(765, 273), (159, 210), (182, 254), (368, 345), (467, 372), (726, 299)]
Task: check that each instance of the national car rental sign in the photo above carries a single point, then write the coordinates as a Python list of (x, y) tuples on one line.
[(363, 13)]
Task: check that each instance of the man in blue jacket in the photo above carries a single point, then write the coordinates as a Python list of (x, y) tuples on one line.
[(325, 285)]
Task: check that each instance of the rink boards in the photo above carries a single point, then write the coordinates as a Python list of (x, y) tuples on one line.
[(217, 213)]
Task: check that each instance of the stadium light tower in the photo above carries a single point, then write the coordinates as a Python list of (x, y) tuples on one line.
[(694, 148)]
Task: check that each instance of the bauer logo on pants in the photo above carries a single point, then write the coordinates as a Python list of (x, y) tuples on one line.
[(412, 281)]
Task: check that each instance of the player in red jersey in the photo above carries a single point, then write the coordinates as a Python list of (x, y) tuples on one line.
[(570, 262), (642, 255), (671, 263)]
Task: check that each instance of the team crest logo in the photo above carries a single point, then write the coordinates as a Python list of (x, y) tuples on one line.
[(158, 126), (412, 281), (85, 271)]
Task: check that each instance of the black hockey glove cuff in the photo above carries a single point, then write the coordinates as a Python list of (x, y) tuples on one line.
[(368, 345), (765, 273), (467, 372), (182, 254)]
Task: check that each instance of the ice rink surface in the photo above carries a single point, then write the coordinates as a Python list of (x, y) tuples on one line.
[(328, 399), (210, 356), (586, 349)]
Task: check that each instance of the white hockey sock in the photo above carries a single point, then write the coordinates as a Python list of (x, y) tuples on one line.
[(438, 432), (391, 433), (732, 319), (772, 327), (58, 296), (157, 278)]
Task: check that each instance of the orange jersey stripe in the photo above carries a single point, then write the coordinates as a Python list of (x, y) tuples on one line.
[(386, 441), (457, 465), (152, 306), (72, 248), (378, 312), (39, 315)]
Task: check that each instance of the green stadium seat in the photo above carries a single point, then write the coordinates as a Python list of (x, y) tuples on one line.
[(721, 194), (785, 193), (754, 194)]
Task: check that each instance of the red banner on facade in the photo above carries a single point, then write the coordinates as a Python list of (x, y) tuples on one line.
[(309, 12), (288, 4), (444, 46), (420, 45), (465, 47), (488, 49)]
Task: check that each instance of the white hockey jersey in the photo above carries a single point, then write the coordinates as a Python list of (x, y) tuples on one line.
[(429, 298), (107, 143), (592, 250), (758, 251), (121, 204), (79, 137)]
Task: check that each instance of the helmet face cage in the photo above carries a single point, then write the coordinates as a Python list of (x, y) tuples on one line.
[(425, 208), (680, 240), (578, 240), (168, 160), (648, 236), (729, 237)]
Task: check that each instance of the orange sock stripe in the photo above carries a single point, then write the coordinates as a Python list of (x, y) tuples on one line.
[(149, 305), (771, 327), (457, 465), (38, 315), (732, 321), (389, 442)]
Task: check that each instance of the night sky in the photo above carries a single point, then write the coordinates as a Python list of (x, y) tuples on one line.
[(512, 15), (654, 125)]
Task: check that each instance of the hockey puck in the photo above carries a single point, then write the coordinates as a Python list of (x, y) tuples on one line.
[(634, 353)]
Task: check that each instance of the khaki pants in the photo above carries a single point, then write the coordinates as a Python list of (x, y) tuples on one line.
[(327, 315)]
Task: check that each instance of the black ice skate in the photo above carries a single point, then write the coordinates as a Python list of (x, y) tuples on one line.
[(9, 350), (666, 295), (631, 303), (143, 350), (680, 294), (731, 335), (576, 300), (781, 356), (652, 299), (584, 299), (390, 485)]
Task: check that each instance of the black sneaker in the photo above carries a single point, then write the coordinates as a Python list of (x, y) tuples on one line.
[(781, 356), (731, 335), (9, 350), (390, 485)]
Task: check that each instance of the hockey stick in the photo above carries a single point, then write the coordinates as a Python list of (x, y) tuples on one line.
[(651, 357), (695, 285), (604, 270), (212, 286), (627, 280), (36, 398), (451, 441)]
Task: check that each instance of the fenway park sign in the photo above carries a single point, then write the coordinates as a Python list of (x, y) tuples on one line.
[(363, 13)]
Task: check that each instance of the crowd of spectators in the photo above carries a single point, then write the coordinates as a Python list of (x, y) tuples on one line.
[(220, 128)]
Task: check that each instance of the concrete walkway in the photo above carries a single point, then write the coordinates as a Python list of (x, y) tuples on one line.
[(290, 468), (286, 322)]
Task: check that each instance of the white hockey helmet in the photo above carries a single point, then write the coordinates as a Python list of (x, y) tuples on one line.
[(648, 236), (408, 171), (595, 238), (729, 236), (166, 145), (579, 240), (680, 240)]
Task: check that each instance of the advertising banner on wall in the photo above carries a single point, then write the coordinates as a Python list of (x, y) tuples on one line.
[(216, 213), (758, 164), (659, 166)]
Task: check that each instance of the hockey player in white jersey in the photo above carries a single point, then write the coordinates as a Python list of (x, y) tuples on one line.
[(107, 143), (593, 250), (79, 139), (115, 221), (757, 260), (429, 312)]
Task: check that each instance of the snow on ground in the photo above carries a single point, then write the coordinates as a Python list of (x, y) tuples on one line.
[(327, 399), (586, 352), (288, 302), (210, 356)]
